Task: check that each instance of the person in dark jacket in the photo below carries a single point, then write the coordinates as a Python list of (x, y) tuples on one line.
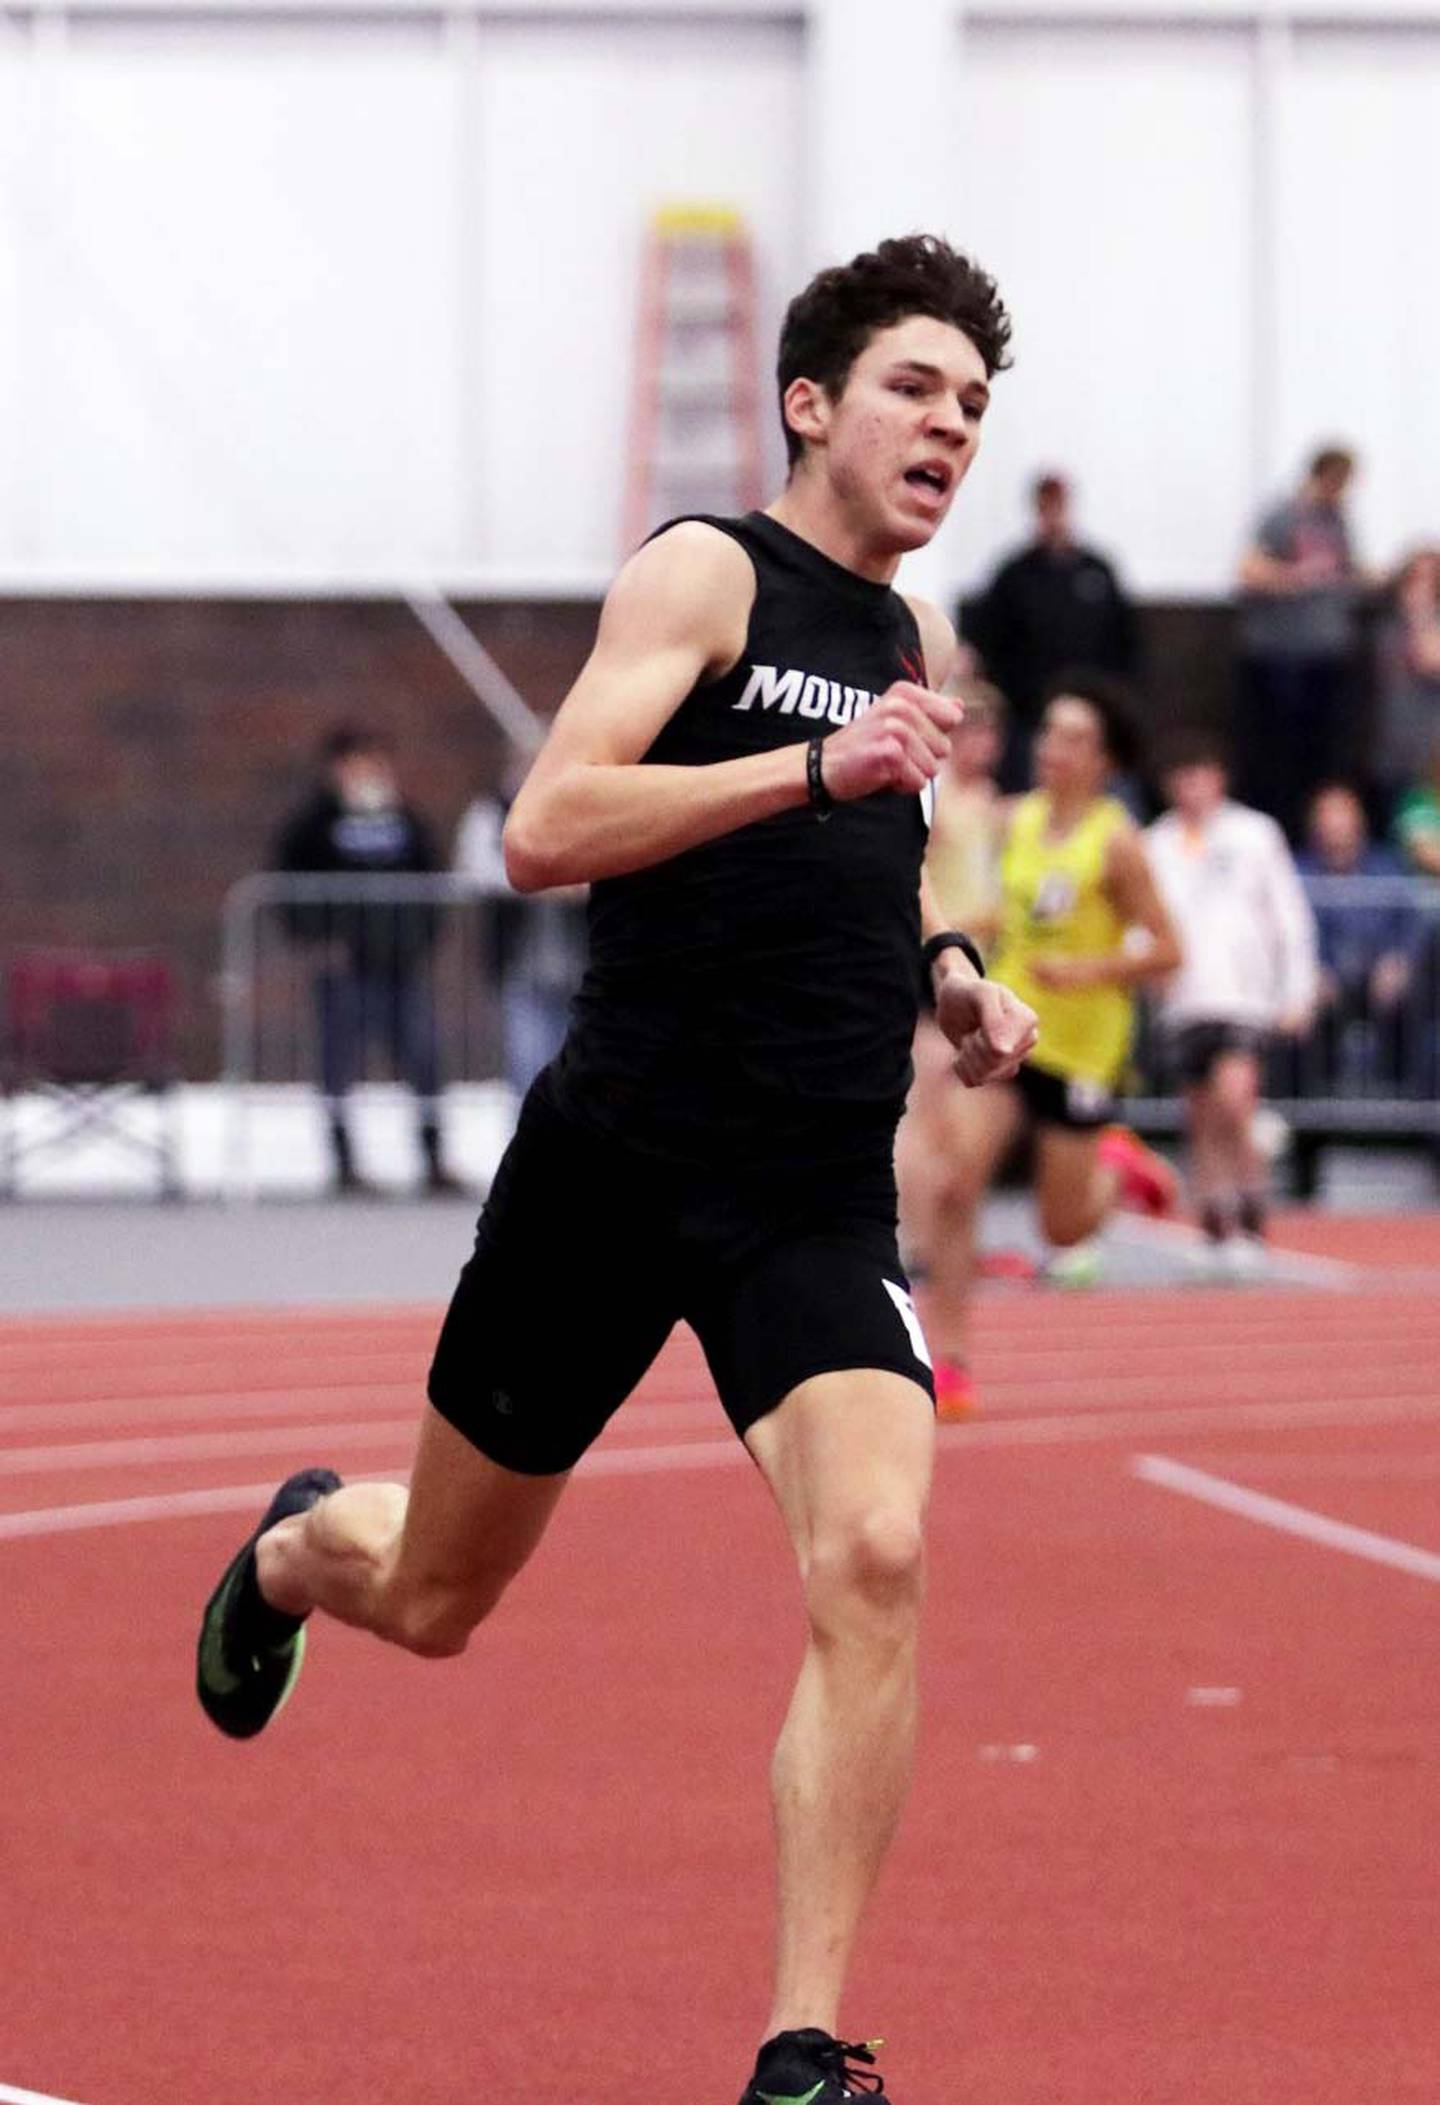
[(370, 957), (1052, 605)]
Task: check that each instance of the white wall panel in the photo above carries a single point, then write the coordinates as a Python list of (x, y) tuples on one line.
[(13, 145), (1106, 183), (1359, 290), (249, 302), (584, 131)]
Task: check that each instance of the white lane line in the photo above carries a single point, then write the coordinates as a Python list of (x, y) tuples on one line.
[(1279, 1267), (1082, 1428), (1290, 1520), (148, 1413), (239, 1498), (197, 1447), (1029, 1376), (1057, 1431), (10, 2096)]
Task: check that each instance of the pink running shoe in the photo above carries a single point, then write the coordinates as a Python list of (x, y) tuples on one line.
[(955, 1398), (1147, 1182)]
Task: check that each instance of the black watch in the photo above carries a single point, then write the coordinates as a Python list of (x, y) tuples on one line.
[(952, 939)]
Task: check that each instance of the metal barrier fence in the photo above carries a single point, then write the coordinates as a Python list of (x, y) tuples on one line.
[(1368, 1069), (286, 937), (337, 982), (425, 957)]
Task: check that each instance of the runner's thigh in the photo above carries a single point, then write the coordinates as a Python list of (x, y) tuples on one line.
[(565, 1302)]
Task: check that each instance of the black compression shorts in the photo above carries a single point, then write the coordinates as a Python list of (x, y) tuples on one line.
[(588, 1252), (1193, 1050), (1061, 1100)]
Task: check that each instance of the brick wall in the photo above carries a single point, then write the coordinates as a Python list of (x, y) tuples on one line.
[(149, 748)]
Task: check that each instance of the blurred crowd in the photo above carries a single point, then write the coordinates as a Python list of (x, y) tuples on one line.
[(1337, 666), (1332, 740)]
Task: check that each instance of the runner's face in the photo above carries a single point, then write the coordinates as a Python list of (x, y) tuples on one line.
[(899, 441), (1197, 788), (1070, 755)]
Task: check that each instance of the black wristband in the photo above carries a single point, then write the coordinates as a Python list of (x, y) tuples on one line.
[(952, 939), (821, 801)]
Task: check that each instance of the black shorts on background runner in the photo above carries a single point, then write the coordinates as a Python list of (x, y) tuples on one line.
[(589, 1251), (1064, 1100), (1192, 1051)]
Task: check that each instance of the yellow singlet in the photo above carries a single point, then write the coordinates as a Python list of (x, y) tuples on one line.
[(1055, 907)]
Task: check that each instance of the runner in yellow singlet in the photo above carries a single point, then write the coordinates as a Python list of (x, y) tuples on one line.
[(1082, 926)]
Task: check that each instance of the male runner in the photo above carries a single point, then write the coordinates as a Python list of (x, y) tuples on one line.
[(740, 774), (1083, 927), (1228, 879)]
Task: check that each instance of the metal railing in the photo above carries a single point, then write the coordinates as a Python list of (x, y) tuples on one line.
[(1368, 1068), (332, 983), (284, 934)]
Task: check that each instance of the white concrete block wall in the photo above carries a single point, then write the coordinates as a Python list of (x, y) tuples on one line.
[(336, 299)]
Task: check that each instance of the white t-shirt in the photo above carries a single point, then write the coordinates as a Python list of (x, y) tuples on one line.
[(1242, 918)]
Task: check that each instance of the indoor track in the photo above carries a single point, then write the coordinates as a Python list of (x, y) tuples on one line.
[(1172, 1838)]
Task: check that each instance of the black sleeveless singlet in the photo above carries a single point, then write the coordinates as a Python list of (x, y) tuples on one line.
[(757, 995)]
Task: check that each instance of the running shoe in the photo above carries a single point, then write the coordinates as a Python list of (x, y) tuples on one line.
[(1147, 1182), (955, 1397), (1018, 1265), (1076, 1268), (811, 2068), (249, 1655)]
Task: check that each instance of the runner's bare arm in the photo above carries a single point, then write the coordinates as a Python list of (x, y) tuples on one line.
[(592, 807)]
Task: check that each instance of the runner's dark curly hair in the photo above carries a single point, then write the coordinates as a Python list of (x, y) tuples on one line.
[(1112, 703), (829, 324)]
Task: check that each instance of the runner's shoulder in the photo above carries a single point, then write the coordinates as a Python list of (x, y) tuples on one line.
[(692, 580), (937, 639)]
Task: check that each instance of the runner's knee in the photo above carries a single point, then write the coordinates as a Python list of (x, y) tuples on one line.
[(873, 1561)]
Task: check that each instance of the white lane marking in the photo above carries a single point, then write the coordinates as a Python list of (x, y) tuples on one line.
[(10, 2096), (1028, 1379), (197, 1447), (1290, 1520), (1080, 1428), (120, 1512), (1064, 1430), (145, 1413), (1276, 1268)]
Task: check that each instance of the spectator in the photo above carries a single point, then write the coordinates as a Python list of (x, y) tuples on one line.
[(1417, 820), (1300, 589), (1409, 675), (1369, 948), (537, 943), (1225, 874), (1051, 606), (370, 970)]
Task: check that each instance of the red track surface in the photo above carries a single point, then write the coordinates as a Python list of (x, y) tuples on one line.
[(541, 1872)]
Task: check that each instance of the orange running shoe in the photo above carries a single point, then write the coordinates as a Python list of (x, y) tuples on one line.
[(955, 1398), (1147, 1182)]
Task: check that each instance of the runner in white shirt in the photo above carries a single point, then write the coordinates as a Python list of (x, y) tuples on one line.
[(1227, 878)]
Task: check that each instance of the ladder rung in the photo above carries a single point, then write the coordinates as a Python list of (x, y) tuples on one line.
[(702, 467), (700, 307), (678, 393)]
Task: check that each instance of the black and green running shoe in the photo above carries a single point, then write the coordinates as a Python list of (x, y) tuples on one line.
[(249, 1655), (811, 2068)]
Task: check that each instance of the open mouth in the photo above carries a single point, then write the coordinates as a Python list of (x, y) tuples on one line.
[(929, 477)]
